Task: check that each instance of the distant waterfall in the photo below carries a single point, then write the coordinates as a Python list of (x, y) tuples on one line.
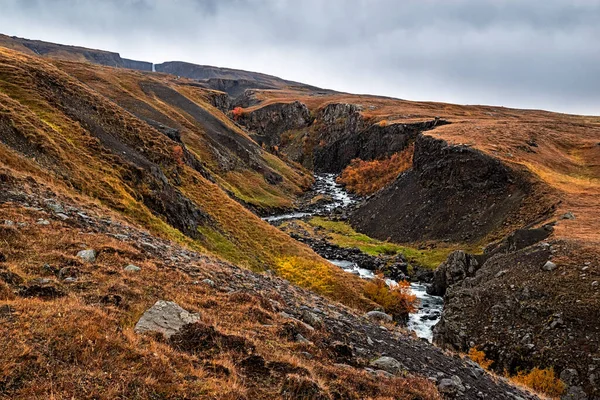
[(153, 68)]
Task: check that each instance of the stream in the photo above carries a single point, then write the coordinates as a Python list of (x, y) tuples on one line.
[(430, 307)]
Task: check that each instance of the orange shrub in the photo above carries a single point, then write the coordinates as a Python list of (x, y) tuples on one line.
[(398, 301), (479, 357), (178, 154), (367, 177), (237, 113), (541, 380)]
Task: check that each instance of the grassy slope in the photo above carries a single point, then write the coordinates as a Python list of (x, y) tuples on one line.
[(56, 148)]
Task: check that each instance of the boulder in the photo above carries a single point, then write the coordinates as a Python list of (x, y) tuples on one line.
[(378, 316), (132, 268), (311, 319), (88, 255), (165, 317), (549, 266), (388, 364), (451, 387)]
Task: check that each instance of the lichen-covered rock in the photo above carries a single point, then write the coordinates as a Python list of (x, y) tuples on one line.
[(165, 317), (88, 255), (388, 364)]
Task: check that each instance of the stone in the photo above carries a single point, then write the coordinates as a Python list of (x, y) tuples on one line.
[(574, 393), (458, 266), (132, 268), (388, 364), (301, 339), (569, 376), (568, 215), (209, 282), (311, 319), (549, 266), (165, 317), (88, 255), (67, 272), (451, 387), (42, 221), (378, 316)]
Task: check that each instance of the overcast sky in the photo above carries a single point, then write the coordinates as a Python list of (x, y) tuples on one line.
[(532, 54)]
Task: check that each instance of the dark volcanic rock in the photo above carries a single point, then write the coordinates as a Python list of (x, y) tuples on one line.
[(368, 144), (452, 193), (269, 122), (457, 267)]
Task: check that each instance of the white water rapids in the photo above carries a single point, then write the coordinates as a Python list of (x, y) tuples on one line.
[(430, 307)]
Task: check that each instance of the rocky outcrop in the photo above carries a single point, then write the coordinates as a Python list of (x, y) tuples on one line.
[(457, 267), (371, 143), (523, 315), (165, 317), (453, 192), (269, 122)]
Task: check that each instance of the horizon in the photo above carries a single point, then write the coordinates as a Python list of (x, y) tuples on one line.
[(558, 76)]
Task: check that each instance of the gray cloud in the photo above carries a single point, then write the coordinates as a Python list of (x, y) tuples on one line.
[(534, 54)]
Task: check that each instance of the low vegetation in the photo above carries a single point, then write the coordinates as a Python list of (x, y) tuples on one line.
[(343, 235), (367, 177), (543, 381), (396, 300)]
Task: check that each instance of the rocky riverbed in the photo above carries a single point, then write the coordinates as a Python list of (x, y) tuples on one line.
[(328, 199)]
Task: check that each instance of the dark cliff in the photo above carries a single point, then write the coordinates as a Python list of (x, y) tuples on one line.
[(453, 193)]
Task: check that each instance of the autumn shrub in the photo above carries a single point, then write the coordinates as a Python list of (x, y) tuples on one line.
[(178, 154), (367, 177), (479, 357), (396, 300), (237, 113), (541, 380)]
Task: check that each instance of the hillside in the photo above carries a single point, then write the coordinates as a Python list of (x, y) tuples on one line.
[(164, 176)]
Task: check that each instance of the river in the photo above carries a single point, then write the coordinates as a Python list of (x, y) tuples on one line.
[(430, 307)]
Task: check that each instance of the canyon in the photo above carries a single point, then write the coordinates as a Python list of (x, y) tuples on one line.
[(214, 189)]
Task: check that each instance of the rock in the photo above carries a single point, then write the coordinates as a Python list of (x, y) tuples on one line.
[(311, 318), (42, 221), (378, 316), (388, 364), (595, 284), (549, 266), (57, 208), (165, 317), (132, 268), (451, 387), (67, 272), (301, 339), (209, 282), (500, 273), (457, 267), (568, 215), (569, 376), (574, 393), (87, 255)]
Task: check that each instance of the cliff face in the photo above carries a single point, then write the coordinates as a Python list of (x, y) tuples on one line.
[(453, 193), (368, 144), (269, 122)]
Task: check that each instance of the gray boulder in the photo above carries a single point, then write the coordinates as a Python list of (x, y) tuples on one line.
[(549, 266), (387, 364), (132, 268), (378, 316), (311, 319), (165, 317), (451, 387), (88, 255)]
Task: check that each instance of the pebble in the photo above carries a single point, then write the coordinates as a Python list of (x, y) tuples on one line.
[(549, 266), (88, 255), (42, 221)]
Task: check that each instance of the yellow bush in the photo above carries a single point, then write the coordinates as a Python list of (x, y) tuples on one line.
[(479, 357), (541, 380), (395, 301)]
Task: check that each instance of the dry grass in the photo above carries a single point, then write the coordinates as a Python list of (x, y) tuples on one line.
[(82, 345)]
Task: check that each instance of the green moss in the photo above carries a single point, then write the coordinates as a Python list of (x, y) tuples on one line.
[(344, 235)]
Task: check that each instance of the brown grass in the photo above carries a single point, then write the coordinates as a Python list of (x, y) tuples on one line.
[(79, 346)]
